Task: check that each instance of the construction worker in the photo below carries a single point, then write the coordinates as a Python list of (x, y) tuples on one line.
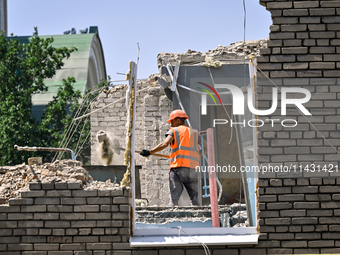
[(184, 157)]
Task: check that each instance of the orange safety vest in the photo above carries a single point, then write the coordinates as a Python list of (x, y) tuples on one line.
[(184, 149)]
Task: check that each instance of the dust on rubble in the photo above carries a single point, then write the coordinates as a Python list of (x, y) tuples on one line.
[(13, 179)]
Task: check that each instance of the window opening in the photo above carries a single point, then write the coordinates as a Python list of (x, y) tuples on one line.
[(232, 148)]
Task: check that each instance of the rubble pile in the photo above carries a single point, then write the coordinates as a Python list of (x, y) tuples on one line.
[(16, 178), (122, 87), (112, 90), (237, 50), (166, 215), (234, 215)]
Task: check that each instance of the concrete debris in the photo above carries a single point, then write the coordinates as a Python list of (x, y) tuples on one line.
[(237, 50), (141, 202), (239, 219), (237, 207), (35, 160), (13, 179), (113, 89), (239, 216), (152, 81), (166, 215), (230, 215), (210, 62)]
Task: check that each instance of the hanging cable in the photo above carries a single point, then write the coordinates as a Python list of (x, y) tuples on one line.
[(138, 53), (81, 133), (121, 99), (70, 128), (75, 129), (77, 152), (244, 79), (205, 247)]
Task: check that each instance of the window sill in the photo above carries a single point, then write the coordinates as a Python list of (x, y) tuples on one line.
[(185, 240)]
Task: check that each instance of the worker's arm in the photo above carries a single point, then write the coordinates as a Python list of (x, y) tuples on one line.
[(162, 145), (159, 147)]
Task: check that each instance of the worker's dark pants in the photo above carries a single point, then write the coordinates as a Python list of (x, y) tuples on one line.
[(183, 176)]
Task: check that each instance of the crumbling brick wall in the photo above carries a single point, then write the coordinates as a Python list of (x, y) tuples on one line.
[(113, 120), (155, 173), (153, 109)]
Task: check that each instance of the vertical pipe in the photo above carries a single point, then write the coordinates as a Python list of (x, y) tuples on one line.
[(205, 187), (212, 179), (199, 175)]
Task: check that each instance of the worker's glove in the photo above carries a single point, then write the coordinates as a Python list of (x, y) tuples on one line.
[(145, 153)]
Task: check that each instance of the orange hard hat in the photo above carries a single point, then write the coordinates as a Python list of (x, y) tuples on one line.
[(177, 114)]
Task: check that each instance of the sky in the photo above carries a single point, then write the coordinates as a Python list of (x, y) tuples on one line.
[(158, 26)]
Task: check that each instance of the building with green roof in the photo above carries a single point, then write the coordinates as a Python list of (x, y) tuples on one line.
[(87, 65)]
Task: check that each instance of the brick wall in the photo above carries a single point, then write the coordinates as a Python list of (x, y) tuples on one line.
[(299, 211), (63, 219), (155, 173), (113, 120), (297, 216), (153, 109)]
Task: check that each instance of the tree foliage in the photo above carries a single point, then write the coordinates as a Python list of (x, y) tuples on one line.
[(58, 127), (23, 69)]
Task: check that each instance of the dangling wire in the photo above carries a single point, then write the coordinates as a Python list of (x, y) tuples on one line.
[(244, 84), (69, 129), (68, 135), (75, 129), (81, 133), (138, 53), (82, 145), (205, 247), (118, 100)]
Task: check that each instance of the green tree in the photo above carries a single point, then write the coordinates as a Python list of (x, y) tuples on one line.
[(23, 69), (57, 116), (58, 128)]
